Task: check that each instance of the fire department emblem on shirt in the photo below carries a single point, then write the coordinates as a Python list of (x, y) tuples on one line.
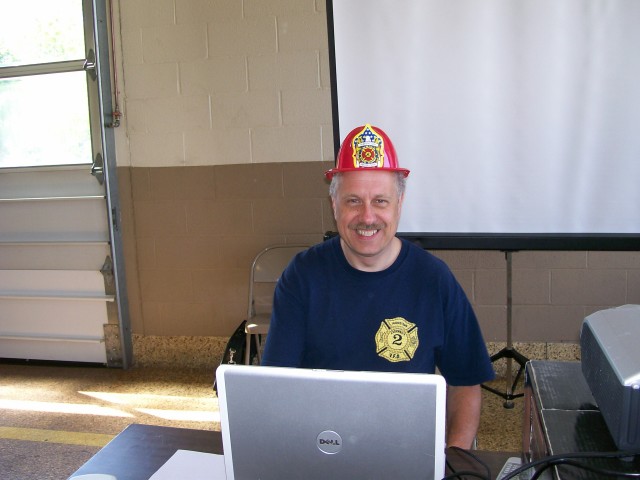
[(368, 149), (397, 339)]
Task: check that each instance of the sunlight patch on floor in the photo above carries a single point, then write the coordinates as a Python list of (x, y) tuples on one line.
[(182, 415), (54, 407)]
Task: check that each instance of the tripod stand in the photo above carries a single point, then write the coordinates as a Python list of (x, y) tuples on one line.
[(509, 353)]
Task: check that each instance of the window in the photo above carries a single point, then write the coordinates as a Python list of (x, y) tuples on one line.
[(44, 100)]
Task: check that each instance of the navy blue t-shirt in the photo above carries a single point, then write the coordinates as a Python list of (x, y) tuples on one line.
[(411, 317)]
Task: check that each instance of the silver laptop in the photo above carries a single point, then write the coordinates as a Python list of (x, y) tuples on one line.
[(289, 423)]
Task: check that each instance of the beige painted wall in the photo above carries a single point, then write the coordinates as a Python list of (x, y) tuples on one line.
[(225, 135), (195, 230)]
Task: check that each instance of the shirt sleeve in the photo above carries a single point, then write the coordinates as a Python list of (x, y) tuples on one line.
[(463, 359)]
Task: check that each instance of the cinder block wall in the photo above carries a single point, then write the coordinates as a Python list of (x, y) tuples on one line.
[(552, 291), (226, 132)]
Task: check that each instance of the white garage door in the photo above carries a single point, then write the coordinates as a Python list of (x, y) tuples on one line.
[(60, 245), (54, 240)]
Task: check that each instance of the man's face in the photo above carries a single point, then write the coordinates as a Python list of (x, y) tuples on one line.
[(367, 211)]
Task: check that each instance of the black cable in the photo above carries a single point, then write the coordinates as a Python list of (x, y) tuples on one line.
[(466, 472), (598, 470), (449, 466), (583, 466), (568, 459), (552, 460), (454, 474), (474, 457)]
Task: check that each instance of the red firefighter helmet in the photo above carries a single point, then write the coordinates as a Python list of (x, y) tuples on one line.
[(366, 148)]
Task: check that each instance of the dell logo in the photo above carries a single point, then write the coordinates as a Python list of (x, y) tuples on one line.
[(329, 442)]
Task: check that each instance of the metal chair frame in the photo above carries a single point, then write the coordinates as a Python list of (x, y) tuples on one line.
[(266, 268)]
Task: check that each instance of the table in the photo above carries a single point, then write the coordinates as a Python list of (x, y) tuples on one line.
[(562, 417), (140, 450)]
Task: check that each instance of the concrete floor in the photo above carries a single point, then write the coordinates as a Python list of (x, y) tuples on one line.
[(54, 418)]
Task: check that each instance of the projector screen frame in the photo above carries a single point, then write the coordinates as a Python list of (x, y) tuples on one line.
[(507, 242), (517, 242)]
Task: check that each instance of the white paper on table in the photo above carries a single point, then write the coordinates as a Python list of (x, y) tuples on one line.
[(191, 465)]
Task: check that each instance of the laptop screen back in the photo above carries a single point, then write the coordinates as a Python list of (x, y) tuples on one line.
[(319, 424)]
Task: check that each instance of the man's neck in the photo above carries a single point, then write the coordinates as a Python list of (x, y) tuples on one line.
[(374, 263)]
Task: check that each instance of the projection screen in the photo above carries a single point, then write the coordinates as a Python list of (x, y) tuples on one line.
[(519, 119)]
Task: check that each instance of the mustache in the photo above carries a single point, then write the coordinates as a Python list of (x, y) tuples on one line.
[(366, 226)]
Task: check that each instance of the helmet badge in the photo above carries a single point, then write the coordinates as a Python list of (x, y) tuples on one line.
[(368, 148)]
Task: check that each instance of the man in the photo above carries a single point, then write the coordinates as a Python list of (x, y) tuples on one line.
[(367, 300)]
